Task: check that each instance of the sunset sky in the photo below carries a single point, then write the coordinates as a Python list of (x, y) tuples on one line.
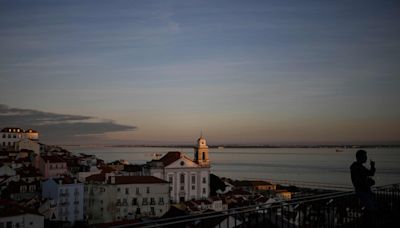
[(248, 72)]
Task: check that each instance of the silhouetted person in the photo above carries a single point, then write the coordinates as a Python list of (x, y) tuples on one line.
[(362, 181)]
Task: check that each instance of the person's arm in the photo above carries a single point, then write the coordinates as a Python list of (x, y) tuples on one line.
[(371, 172)]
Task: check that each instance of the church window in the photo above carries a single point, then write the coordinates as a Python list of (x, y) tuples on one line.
[(182, 178), (193, 187), (204, 180), (204, 190), (204, 156), (147, 189), (182, 163), (193, 179)]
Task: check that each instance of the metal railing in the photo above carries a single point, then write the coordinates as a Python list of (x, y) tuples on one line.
[(337, 209)]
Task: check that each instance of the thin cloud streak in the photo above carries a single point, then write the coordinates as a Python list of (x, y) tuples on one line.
[(60, 128)]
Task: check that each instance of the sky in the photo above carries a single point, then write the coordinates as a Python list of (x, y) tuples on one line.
[(242, 72)]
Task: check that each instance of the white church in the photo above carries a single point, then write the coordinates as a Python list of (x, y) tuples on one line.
[(189, 179)]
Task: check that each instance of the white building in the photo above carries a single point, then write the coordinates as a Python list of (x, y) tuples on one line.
[(68, 195), (13, 215), (189, 179), (10, 136), (111, 198), (27, 144)]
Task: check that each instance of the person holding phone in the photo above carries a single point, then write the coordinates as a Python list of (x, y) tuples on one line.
[(361, 178)]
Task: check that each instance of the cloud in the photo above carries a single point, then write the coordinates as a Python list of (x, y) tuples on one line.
[(60, 128)]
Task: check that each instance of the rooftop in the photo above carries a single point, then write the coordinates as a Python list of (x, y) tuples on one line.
[(135, 180), (17, 130), (170, 157), (9, 208), (52, 159), (125, 179)]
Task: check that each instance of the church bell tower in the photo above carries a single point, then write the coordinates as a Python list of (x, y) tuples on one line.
[(201, 152)]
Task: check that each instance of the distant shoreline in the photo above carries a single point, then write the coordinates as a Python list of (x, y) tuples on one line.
[(244, 146)]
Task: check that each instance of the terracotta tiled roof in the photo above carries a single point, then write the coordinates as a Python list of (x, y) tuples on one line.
[(170, 157), (136, 180), (28, 171), (52, 159), (107, 169), (9, 208), (11, 160), (96, 177)]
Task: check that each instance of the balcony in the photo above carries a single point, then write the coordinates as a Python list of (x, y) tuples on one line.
[(337, 209)]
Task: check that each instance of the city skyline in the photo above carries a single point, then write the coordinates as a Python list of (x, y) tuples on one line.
[(126, 72)]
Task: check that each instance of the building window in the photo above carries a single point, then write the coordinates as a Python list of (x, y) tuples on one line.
[(204, 190), (193, 179), (204, 180), (118, 189), (152, 211), (134, 201), (193, 187), (170, 179), (182, 178), (147, 190), (127, 191), (152, 201), (137, 190), (182, 187), (161, 201), (4, 135), (144, 202)]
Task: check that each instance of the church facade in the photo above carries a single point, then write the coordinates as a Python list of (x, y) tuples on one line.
[(189, 179)]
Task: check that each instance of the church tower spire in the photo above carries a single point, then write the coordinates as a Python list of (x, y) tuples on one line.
[(201, 151)]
